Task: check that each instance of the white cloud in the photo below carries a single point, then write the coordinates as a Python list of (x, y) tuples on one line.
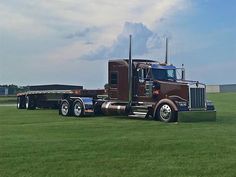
[(20, 25), (143, 41), (42, 23), (40, 17), (108, 17)]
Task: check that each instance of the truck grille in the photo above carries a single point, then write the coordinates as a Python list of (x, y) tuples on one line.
[(197, 97)]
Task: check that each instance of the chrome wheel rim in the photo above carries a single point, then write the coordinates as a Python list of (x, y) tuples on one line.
[(77, 109), (64, 108), (165, 112), (18, 103), (27, 103)]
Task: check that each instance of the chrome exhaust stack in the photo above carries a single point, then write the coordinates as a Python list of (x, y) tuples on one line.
[(117, 107), (166, 58), (130, 71)]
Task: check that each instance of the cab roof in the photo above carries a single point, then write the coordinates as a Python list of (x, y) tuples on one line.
[(161, 66)]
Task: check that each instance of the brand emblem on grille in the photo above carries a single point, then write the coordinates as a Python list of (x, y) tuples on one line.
[(197, 83)]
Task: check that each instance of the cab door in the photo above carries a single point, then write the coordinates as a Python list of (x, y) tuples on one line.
[(144, 82)]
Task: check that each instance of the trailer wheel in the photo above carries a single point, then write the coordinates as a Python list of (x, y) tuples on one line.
[(78, 109), (30, 103), (65, 108), (27, 102), (166, 113), (20, 102)]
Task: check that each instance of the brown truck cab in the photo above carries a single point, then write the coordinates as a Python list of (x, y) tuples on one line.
[(156, 92)]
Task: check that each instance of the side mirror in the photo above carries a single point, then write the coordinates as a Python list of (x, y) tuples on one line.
[(140, 75), (182, 72)]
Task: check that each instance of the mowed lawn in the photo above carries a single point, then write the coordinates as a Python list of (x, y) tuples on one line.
[(7, 100), (41, 143)]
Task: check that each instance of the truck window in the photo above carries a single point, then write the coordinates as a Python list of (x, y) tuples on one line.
[(114, 78), (164, 74), (143, 74)]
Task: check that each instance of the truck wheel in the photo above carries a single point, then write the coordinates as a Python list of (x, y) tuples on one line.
[(166, 113), (78, 109), (65, 108)]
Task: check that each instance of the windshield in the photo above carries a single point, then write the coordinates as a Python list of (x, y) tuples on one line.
[(164, 74)]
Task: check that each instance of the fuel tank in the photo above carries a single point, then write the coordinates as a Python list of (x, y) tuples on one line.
[(114, 108)]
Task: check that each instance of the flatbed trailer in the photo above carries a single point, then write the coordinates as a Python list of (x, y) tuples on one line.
[(50, 98), (41, 99)]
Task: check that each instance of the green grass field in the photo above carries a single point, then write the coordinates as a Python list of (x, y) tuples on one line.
[(40, 143), (7, 99)]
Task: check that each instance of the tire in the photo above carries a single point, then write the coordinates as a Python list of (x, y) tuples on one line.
[(166, 113), (21, 102), (65, 108), (98, 108), (78, 109), (30, 103)]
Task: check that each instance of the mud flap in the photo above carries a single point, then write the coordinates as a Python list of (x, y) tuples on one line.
[(196, 116)]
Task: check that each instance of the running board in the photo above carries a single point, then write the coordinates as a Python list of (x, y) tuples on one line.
[(138, 114), (140, 109)]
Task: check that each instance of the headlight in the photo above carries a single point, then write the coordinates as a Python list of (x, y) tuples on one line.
[(182, 103)]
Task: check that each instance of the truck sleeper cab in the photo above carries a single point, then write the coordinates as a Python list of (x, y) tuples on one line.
[(156, 92)]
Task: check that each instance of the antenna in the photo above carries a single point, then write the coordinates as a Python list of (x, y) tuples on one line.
[(166, 58)]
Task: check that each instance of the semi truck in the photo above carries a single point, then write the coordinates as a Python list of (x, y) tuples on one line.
[(136, 88)]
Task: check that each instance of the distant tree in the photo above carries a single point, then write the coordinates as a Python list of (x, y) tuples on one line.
[(14, 89), (23, 89)]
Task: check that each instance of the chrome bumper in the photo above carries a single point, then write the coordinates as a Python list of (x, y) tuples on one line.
[(196, 116)]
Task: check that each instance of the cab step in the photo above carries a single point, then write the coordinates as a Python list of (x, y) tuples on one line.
[(138, 114), (140, 108)]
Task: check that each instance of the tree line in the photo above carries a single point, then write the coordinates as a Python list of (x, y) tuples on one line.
[(14, 89)]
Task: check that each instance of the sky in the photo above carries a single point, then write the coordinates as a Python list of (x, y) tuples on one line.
[(71, 41)]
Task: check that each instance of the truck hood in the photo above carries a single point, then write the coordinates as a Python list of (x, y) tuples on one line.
[(190, 83)]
